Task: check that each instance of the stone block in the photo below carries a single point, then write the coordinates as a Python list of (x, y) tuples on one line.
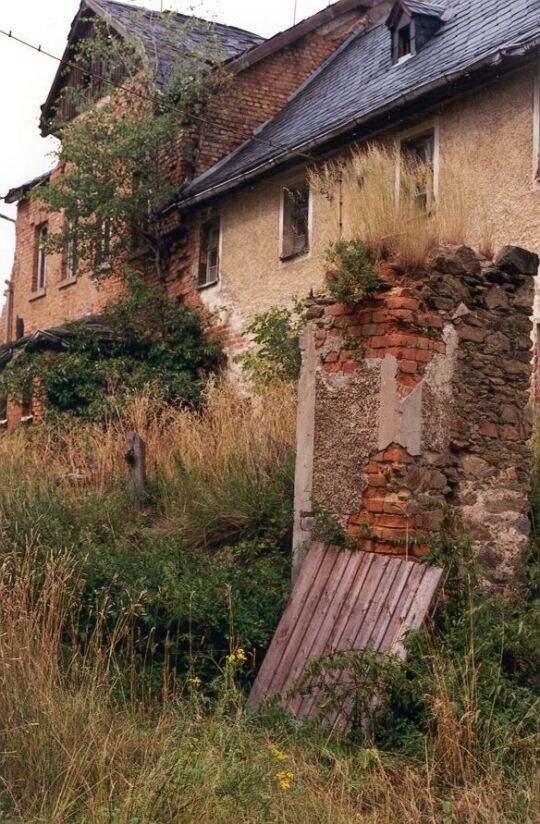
[(517, 261)]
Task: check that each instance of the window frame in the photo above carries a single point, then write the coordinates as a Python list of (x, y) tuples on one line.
[(40, 272), (211, 224), (536, 130), (71, 260), (287, 190), (431, 128), (404, 23)]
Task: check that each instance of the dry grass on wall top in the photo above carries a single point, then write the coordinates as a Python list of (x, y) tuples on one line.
[(380, 205)]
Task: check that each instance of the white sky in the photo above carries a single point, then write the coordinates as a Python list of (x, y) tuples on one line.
[(25, 76)]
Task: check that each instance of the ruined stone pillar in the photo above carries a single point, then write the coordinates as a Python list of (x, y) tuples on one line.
[(417, 400)]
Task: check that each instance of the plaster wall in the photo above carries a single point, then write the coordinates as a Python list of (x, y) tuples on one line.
[(494, 128)]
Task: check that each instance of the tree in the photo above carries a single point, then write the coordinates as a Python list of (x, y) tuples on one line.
[(114, 155)]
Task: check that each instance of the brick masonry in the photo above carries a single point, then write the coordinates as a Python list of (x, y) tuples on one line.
[(418, 400)]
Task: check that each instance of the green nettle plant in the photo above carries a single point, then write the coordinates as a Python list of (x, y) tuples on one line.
[(353, 276), (150, 343), (113, 156), (276, 334)]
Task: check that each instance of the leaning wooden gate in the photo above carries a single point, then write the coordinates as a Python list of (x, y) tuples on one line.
[(342, 600)]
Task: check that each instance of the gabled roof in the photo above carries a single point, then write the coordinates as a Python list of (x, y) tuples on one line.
[(163, 35), (359, 86), (19, 192), (413, 7)]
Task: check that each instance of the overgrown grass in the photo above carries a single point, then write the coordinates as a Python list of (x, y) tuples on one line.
[(79, 745), (122, 692)]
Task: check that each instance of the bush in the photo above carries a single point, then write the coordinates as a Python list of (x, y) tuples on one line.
[(277, 357), (353, 278), (154, 342)]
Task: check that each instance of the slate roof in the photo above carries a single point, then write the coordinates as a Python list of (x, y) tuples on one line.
[(359, 82), (165, 34), (18, 192)]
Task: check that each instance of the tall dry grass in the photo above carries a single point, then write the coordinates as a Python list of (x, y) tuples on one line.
[(210, 473), (75, 748), (378, 189)]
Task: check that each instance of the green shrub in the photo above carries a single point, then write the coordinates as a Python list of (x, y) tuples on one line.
[(353, 276), (154, 342), (276, 334)]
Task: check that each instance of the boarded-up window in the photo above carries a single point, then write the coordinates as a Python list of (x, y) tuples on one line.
[(209, 252), (419, 153), (40, 274), (295, 220)]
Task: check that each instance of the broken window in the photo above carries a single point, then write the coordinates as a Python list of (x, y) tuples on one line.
[(295, 229), (40, 277), (418, 152), (209, 252)]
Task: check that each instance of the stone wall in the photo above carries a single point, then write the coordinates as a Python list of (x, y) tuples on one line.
[(418, 400)]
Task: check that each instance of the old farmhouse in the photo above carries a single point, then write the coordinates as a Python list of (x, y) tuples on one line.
[(454, 84)]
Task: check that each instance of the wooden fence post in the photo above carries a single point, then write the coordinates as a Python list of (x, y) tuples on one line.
[(136, 461)]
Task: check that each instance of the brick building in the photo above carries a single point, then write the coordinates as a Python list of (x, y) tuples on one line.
[(426, 76)]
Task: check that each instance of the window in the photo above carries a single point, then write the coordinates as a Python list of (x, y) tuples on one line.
[(41, 260), (403, 40), (3, 412), (418, 152), (209, 252), (295, 229), (103, 257), (70, 271)]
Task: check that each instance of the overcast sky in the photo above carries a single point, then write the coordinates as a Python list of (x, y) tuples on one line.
[(25, 76)]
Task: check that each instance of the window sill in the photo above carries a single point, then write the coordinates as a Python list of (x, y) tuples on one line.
[(40, 293), (27, 419), (294, 256), (4, 424), (202, 286), (67, 282)]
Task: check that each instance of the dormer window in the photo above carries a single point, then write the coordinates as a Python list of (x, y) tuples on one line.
[(412, 24), (403, 47)]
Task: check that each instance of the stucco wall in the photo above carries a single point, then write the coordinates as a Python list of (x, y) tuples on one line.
[(493, 127)]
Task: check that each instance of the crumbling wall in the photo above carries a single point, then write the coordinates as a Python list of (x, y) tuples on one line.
[(417, 401)]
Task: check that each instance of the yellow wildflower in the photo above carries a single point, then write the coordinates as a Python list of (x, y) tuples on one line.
[(195, 680), (278, 754), (285, 779), (239, 656)]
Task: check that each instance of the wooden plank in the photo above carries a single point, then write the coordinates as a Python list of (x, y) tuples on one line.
[(281, 680), (321, 640), (363, 564), (262, 685), (314, 634)]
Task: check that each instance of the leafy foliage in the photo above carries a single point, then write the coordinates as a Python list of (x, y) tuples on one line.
[(153, 342), (276, 334), (112, 194), (353, 277)]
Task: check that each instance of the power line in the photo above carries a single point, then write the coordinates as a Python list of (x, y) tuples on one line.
[(156, 101)]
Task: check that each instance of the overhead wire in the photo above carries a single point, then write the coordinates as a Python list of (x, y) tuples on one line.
[(155, 100)]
